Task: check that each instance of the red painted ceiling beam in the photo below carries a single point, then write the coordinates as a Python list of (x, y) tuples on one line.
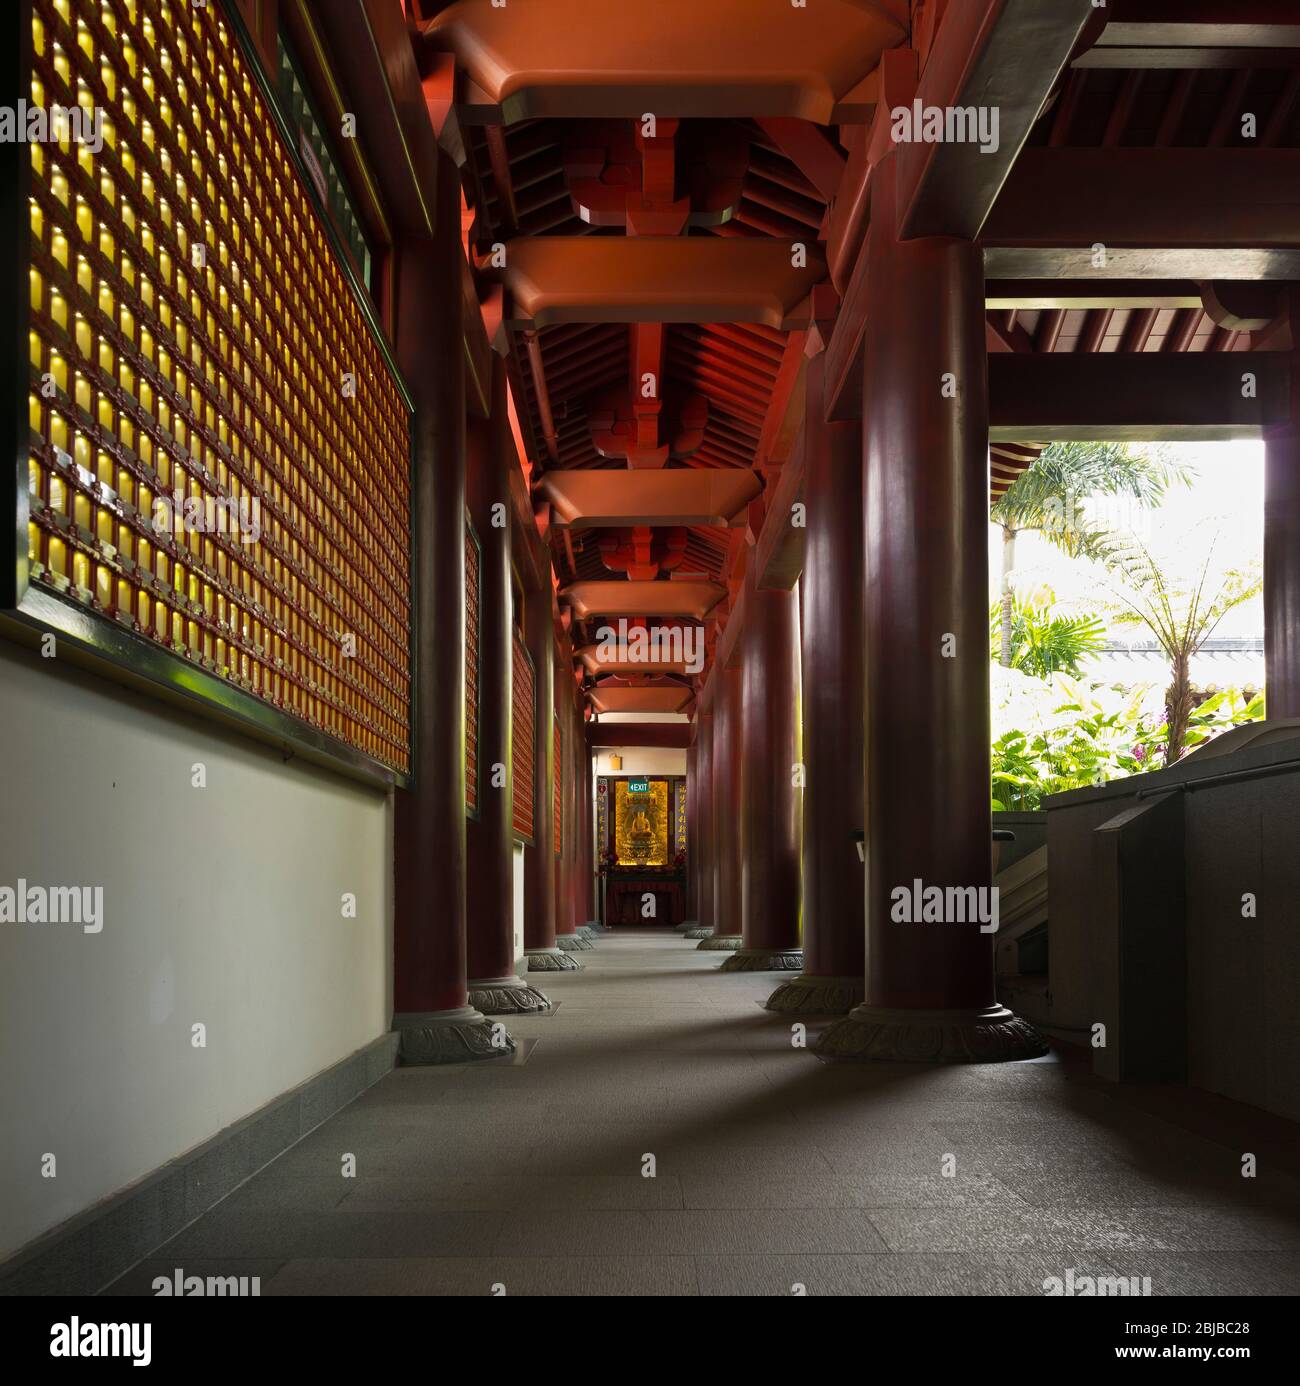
[(661, 735), (709, 58), (810, 149), (598, 499), (566, 279), (678, 597)]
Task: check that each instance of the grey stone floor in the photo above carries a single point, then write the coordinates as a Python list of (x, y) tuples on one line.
[(772, 1170)]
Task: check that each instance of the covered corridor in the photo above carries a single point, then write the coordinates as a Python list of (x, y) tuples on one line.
[(495, 648), (771, 1172)]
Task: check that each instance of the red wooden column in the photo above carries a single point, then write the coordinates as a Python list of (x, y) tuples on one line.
[(771, 810), (832, 646), (1282, 561), (691, 906), (930, 992), (431, 1006), (567, 934), (728, 799), (586, 853), (494, 986), (702, 842), (544, 954)]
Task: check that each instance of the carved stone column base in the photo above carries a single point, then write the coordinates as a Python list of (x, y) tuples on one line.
[(594, 928), (990, 1035), (450, 1037), (701, 931), (551, 960), (805, 995), (507, 996), (721, 943), (764, 960), (686, 925), (587, 932), (574, 943)]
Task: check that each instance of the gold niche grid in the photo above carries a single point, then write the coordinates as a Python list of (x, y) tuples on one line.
[(197, 328)]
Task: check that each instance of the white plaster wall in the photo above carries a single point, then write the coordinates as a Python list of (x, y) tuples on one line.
[(519, 906), (222, 906), (641, 760)]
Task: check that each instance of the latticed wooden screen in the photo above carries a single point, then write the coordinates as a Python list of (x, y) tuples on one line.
[(472, 668), (523, 742), (219, 453), (557, 809)]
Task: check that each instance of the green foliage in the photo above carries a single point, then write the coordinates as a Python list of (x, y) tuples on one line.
[(1043, 641), (1086, 738), (1181, 611), (1089, 735), (1218, 713)]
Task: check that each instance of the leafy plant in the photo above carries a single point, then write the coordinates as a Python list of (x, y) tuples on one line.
[(1083, 734), (1045, 641), (1049, 498), (1181, 613), (1218, 713)]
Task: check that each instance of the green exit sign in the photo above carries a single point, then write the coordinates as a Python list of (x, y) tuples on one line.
[(638, 786)]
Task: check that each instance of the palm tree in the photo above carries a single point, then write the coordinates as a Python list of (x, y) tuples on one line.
[(1046, 497), (1181, 613)]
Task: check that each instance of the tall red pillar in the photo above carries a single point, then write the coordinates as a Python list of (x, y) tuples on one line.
[(690, 916), (567, 932), (494, 986), (832, 647), (728, 799), (771, 810), (692, 792), (701, 842), (431, 1006), (930, 993), (1282, 560), (586, 852), (544, 954)]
